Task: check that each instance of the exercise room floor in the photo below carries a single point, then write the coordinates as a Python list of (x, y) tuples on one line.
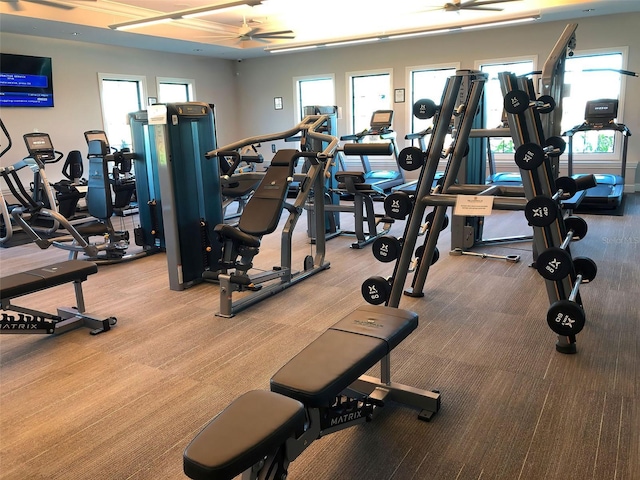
[(124, 404)]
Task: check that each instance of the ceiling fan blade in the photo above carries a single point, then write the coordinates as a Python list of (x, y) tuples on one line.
[(53, 4), (480, 8), (480, 3), (273, 34), (15, 5)]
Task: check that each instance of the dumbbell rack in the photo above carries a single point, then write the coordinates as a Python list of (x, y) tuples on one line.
[(460, 100), (527, 130)]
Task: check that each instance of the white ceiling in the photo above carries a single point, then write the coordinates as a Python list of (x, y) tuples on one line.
[(312, 21)]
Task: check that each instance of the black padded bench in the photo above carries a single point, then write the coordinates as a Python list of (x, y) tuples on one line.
[(33, 321), (306, 395)]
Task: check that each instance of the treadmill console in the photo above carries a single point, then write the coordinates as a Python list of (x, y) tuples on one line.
[(601, 112), (381, 121), (39, 146)]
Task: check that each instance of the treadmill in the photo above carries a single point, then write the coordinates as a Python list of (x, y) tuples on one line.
[(609, 191), (380, 126)]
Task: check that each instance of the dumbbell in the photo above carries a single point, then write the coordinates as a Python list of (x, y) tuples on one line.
[(555, 263), (411, 158), (518, 101), (424, 109), (566, 317), (398, 205), (386, 248), (428, 221), (542, 211), (415, 263), (530, 156), (376, 290)]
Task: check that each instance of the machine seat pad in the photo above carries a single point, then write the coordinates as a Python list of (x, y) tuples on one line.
[(42, 278), (262, 212), (379, 148), (92, 229), (251, 427), (227, 231), (332, 362)]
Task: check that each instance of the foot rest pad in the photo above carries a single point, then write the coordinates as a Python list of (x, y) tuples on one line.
[(253, 426), (333, 361)]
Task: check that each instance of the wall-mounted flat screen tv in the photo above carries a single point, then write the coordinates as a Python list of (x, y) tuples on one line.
[(25, 81)]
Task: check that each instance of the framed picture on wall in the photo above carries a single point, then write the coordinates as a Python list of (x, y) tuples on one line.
[(152, 100), (277, 103), (399, 95)]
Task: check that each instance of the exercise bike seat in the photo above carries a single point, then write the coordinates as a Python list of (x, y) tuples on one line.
[(255, 425), (344, 352)]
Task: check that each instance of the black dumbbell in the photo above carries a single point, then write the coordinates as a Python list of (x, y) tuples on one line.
[(530, 156), (542, 211), (398, 205), (424, 109), (411, 158), (415, 263), (428, 221), (555, 263), (386, 248), (570, 186), (555, 146), (376, 290), (567, 317), (518, 101)]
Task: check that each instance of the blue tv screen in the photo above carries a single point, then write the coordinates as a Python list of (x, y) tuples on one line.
[(25, 81)]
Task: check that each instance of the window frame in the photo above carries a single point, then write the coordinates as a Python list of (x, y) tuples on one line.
[(604, 159), (409, 71), (296, 91), (364, 73), (188, 82), (498, 156), (142, 92)]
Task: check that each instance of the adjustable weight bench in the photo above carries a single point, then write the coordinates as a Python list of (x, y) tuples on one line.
[(321, 390), (67, 318)]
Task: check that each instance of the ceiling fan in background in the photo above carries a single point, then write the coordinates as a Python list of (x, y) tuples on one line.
[(252, 32), (16, 5), (459, 5)]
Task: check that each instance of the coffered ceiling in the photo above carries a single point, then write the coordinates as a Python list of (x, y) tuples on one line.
[(252, 30)]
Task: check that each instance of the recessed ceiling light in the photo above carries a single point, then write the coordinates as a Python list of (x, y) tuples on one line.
[(75, 34), (587, 10), (197, 49)]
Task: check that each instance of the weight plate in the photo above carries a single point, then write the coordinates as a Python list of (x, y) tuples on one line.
[(376, 290), (578, 225), (558, 144), (424, 109), (411, 158), (567, 185), (586, 267), (516, 101), (548, 104), (398, 205), (554, 263), (566, 318), (431, 215), (436, 255), (529, 156), (386, 248), (541, 211)]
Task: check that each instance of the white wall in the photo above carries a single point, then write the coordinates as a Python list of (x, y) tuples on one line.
[(243, 91), (77, 101), (261, 79)]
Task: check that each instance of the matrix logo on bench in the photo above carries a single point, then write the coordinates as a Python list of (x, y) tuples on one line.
[(369, 322), (27, 322)]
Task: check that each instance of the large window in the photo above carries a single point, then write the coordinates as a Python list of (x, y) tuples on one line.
[(171, 90), (493, 99), (591, 77), (120, 95), (317, 90), (428, 83), (369, 92)]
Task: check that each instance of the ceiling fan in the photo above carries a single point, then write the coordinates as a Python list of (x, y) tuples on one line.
[(248, 32), (16, 5), (486, 5)]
